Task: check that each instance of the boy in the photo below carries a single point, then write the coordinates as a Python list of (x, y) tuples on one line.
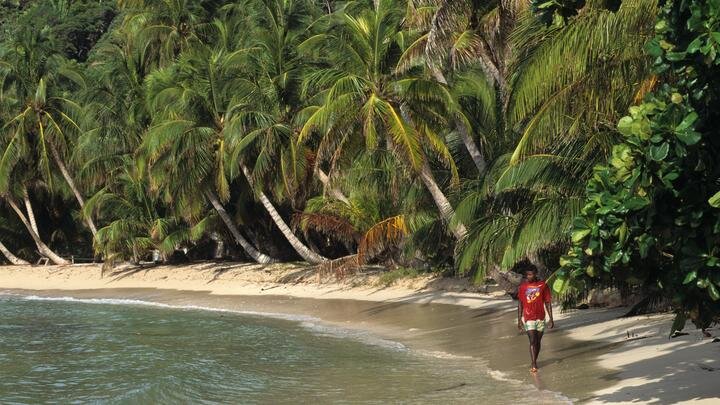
[(533, 301)]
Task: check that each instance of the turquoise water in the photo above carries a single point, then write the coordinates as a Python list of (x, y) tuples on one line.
[(116, 351)]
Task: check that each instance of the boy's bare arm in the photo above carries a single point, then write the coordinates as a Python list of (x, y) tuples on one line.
[(520, 311), (548, 309)]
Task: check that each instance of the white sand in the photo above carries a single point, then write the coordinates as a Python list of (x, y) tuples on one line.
[(651, 367)]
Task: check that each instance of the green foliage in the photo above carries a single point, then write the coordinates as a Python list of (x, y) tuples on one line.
[(435, 134), (392, 276), (651, 217), (556, 11)]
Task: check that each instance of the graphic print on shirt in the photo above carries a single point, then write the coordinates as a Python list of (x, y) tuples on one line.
[(531, 294)]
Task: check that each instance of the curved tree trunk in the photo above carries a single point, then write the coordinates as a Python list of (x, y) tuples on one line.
[(304, 252), (30, 211), (446, 210), (11, 257), (247, 246), (43, 249), (443, 204), (334, 192), (507, 280), (464, 131), (69, 180)]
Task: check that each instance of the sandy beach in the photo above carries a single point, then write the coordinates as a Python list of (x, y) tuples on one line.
[(593, 356)]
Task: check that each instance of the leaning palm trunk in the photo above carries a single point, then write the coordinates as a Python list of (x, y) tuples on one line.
[(464, 131), (11, 257), (68, 178), (446, 210), (43, 249), (334, 192), (247, 246), (30, 211), (304, 252), (507, 280)]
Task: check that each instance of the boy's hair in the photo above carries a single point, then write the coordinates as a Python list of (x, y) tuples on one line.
[(524, 266)]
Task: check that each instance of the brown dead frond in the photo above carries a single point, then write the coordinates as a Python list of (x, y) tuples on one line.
[(340, 268), (382, 235), (332, 226)]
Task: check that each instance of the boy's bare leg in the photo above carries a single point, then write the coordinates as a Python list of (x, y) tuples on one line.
[(533, 337), (538, 342)]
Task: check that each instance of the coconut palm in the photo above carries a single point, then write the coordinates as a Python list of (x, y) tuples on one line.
[(41, 120), (161, 29), (262, 128), (569, 85), (138, 223), (186, 152), (361, 92)]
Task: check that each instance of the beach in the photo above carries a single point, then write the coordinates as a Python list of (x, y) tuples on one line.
[(592, 356)]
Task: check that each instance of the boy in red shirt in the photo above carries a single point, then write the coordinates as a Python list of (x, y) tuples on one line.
[(533, 301)]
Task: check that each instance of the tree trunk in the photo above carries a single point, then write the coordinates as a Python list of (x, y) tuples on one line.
[(507, 280), (11, 257), (247, 246), (219, 245), (464, 131), (334, 192), (304, 252), (43, 249), (30, 211), (446, 210), (69, 180)]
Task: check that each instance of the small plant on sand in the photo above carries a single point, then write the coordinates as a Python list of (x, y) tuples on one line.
[(391, 277)]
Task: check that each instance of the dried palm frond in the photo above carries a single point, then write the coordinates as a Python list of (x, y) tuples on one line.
[(333, 226), (382, 235), (341, 267)]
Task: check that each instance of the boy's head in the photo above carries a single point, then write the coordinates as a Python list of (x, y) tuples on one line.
[(526, 268)]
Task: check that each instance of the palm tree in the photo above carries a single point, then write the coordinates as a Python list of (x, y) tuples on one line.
[(186, 145), (264, 113), (360, 91), (161, 29), (568, 86), (137, 222), (41, 115), (27, 219)]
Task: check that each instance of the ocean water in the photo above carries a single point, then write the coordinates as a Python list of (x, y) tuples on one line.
[(65, 350)]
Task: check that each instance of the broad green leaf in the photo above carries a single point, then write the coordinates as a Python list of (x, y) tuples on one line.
[(675, 56), (694, 46), (713, 291), (580, 234), (559, 285), (689, 137), (636, 203), (659, 153), (690, 277), (688, 121), (715, 200)]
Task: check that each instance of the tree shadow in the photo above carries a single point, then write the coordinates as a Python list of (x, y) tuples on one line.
[(687, 369), (124, 272), (441, 297)]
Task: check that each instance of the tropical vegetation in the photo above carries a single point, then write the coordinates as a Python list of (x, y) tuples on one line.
[(449, 135)]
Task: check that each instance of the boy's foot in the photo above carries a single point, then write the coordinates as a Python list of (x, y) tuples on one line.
[(533, 369)]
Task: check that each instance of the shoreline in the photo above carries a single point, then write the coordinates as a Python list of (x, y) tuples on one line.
[(592, 356)]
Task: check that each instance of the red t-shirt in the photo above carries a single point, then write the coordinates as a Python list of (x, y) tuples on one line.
[(534, 296)]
